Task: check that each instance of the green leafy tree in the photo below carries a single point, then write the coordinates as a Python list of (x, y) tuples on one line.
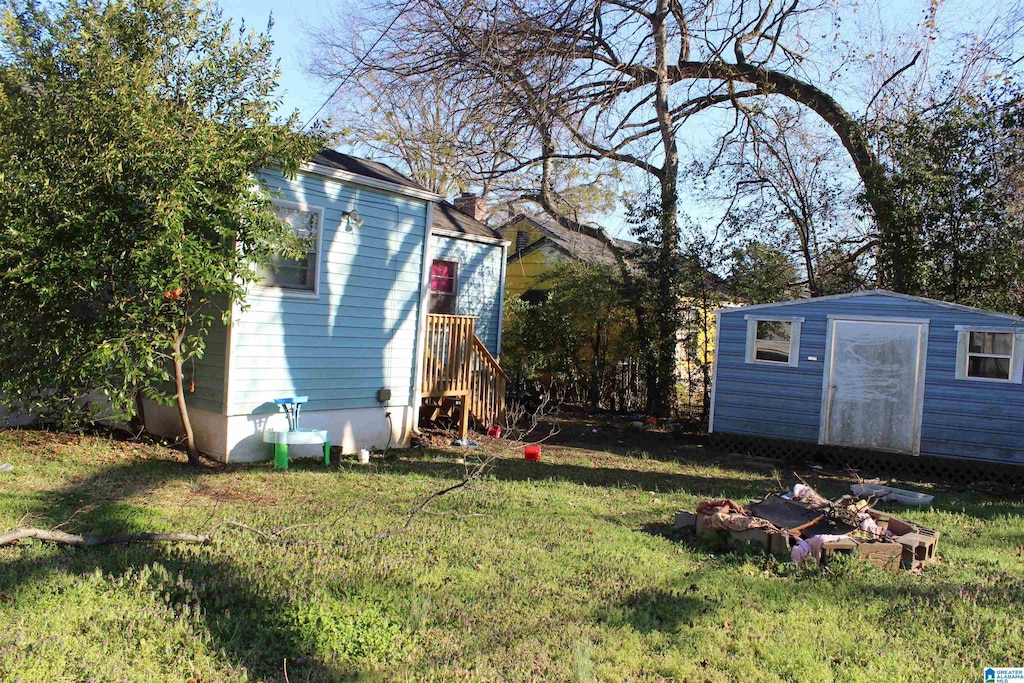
[(130, 131), (655, 279), (955, 174), (577, 336), (762, 274)]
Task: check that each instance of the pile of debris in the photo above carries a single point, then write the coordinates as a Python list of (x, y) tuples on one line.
[(804, 525)]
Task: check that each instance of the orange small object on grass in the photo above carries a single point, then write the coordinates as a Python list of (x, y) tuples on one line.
[(532, 452)]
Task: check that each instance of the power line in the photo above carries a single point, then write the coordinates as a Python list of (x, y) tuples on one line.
[(359, 63)]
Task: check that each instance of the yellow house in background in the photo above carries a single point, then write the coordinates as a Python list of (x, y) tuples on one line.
[(537, 243)]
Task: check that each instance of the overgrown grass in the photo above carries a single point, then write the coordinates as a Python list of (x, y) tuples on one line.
[(550, 571)]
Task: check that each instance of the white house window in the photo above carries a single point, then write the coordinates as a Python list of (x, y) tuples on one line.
[(991, 354), (773, 340), (444, 287), (301, 273)]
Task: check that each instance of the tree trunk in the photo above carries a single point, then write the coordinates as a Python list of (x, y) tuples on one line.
[(179, 388), (139, 418), (662, 373), (804, 231)]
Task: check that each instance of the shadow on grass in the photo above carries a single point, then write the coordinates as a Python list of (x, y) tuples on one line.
[(652, 610), (254, 629), (510, 469)]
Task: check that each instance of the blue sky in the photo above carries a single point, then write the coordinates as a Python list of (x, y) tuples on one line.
[(298, 89), (305, 93)]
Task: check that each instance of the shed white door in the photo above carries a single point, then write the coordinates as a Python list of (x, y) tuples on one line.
[(874, 384)]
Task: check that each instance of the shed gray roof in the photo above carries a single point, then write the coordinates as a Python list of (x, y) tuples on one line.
[(870, 292), (446, 216)]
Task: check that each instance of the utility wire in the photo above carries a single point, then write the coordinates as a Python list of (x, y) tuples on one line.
[(359, 63)]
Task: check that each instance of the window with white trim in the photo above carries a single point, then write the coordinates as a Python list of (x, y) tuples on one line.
[(988, 353), (773, 340), (444, 287), (295, 274)]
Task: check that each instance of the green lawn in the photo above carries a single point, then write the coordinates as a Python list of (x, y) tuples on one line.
[(550, 571)]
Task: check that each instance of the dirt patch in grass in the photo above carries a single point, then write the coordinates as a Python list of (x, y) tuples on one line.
[(104, 449)]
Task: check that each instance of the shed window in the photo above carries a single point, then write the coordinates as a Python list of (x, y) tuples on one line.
[(773, 340), (988, 354), (301, 273), (444, 287)]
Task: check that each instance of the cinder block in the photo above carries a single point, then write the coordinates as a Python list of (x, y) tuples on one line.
[(884, 555), (899, 527), (844, 546), (686, 521), (779, 544), (917, 549), (703, 528), (759, 537)]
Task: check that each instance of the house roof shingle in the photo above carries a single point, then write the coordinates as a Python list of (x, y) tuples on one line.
[(364, 167), (589, 244), (447, 217)]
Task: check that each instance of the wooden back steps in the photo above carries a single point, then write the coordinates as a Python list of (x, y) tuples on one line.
[(460, 376)]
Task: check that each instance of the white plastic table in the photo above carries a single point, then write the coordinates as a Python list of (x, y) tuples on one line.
[(283, 438)]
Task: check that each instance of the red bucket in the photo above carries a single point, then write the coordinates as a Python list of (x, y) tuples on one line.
[(494, 432), (532, 452)]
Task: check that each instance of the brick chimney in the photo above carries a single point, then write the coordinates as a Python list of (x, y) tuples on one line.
[(472, 205)]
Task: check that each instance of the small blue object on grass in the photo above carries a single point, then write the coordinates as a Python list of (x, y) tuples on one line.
[(292, 406), (466, 443)]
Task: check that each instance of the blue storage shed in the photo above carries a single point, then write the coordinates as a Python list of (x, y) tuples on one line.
[(873, 370)]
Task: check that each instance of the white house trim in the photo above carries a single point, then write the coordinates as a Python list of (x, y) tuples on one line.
[(963, 333), (441, 232), (421, 324), (356, 179), (501, 298), (796, 327), (273, 292)]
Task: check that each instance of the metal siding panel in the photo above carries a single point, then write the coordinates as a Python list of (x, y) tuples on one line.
[(358, 335), (786, 402), (207, 373)]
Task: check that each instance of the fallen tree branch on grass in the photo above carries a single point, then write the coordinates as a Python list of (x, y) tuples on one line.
[(416, 510), (54, 536)]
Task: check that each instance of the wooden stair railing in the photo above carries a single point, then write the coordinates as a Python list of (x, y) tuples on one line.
[(457, 364), (487, 385)]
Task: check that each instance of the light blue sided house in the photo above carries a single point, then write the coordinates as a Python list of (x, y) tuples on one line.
[(347, 326), (872, 370)]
